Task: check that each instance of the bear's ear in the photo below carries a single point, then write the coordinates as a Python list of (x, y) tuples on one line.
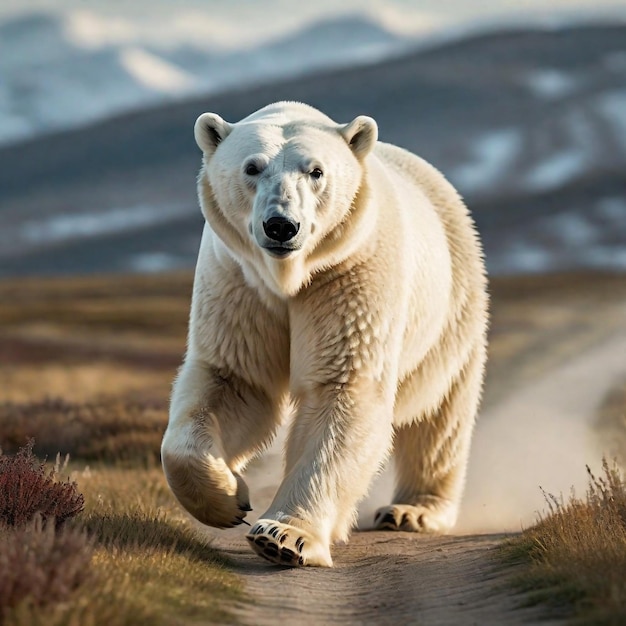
[(210, 129), (361, 134)]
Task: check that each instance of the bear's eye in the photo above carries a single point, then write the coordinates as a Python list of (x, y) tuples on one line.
[(252, 169), (316, 173)]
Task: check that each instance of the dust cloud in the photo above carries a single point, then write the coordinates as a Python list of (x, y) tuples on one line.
[(540, 435)]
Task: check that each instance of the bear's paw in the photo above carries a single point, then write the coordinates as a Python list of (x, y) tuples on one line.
[(430, 517), (208, 489), (287, 545)]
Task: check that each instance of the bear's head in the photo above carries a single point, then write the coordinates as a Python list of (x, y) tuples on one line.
[(279, 187)]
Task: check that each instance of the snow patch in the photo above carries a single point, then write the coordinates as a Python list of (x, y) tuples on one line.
[(550, 84), (616, 61), (607, 257), (70, 226), (492, 157), (556, 170), (89, 31), (153, 262), (612, 106), (613, 210), (155, 73), (570, 229), (523, 257)]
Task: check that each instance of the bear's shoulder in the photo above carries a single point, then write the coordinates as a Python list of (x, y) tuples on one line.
[(419, 171)]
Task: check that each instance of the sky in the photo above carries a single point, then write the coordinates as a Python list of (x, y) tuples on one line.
[(237, 23)]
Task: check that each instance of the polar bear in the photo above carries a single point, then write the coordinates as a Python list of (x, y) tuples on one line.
[(340, 279)]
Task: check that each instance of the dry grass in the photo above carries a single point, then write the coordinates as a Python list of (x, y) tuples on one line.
[(40, 566), (171, 573), (611, 423), (129, 558), (42, 562), (539, 322), (86, 381), (575, 556), (110, 430), (86, 367)]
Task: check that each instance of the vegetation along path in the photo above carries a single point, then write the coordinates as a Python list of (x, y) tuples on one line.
[(399, 578)]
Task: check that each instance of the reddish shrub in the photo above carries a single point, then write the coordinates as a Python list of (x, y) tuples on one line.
[(107, 430), (27, 489)]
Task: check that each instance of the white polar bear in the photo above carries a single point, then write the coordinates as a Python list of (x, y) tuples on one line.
[(342, 279)]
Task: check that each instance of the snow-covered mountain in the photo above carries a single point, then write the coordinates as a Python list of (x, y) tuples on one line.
[(529, 123), (49, 81)]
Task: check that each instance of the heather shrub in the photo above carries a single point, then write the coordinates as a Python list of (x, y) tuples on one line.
[(40, 565), (27, 489), (109, 430)]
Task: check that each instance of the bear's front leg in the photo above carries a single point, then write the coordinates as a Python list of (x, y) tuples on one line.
[(343, 373), (340, 437), (217, 422)]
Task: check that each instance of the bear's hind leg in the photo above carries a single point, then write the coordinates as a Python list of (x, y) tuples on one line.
[(430, 458)]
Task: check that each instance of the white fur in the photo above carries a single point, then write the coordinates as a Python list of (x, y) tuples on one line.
[(372, 328)]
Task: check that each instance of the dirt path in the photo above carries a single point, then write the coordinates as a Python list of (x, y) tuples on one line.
[(385, 578), (537, 435)]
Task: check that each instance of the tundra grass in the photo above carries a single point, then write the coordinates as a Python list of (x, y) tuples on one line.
[(611, 423), (86, 366), (85, 369), (148, 565), (574, 558)]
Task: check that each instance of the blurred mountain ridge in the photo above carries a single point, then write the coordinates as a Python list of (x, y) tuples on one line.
[(49, 82), (529, 124)]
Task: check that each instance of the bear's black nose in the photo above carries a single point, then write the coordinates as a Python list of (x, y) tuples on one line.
[(281, 228)]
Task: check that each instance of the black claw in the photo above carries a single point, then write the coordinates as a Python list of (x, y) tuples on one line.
[(389, 519), (256, 530), (300, 561), (377, 516), (405, 519), (282, 538)]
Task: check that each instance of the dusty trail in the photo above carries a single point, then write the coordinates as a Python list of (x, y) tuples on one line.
[(398, 578), (385, 578)]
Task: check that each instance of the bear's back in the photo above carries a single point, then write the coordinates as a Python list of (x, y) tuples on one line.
[(468, 270), (445, 199)]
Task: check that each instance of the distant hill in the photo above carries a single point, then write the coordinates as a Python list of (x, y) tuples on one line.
[(529, 124), (50, 82)]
